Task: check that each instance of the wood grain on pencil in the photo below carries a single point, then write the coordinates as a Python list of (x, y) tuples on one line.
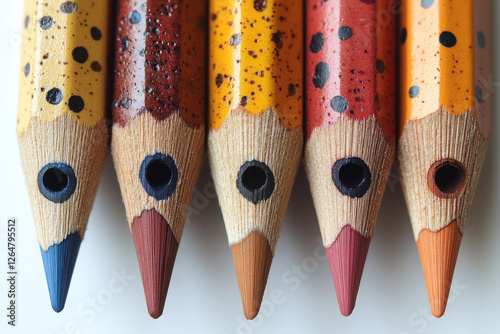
[(158, 128), (61, 126), (350, 142), (255, 127), (443, 127)]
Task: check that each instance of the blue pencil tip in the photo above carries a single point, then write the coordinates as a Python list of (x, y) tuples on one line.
[(59, 262)]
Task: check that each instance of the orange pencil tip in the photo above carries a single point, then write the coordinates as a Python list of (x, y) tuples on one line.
[(438, 254), (252, 260)]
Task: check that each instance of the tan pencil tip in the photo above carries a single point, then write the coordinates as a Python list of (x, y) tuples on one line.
[(252, 260), (438, 254)]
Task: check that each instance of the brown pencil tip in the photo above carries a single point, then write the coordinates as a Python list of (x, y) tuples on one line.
[(252, 260), (156, 249), (347, 256), (438, 254)]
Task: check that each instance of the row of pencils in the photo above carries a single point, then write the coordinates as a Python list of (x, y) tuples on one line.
[(256, 83)]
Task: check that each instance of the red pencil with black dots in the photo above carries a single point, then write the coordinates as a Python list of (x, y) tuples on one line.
[(350, 128), (158, 128)]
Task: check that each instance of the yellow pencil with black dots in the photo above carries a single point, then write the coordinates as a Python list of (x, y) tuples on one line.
[(61, 125)]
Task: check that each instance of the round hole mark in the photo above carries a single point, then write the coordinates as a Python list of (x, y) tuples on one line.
[(57, 182), (158, 175), (351, 176), (446, 178), (255, 181)]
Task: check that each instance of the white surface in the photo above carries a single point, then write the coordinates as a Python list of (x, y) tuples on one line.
[(204, 296)]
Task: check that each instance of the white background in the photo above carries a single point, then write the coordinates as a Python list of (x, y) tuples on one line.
[(203, 295)]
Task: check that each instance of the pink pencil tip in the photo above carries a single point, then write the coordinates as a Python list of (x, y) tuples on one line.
[(347, 256)]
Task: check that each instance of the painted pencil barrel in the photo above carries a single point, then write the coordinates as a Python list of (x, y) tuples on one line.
[(255, 127), (61, 125), (443, 127), (350, 143), (158, 128)]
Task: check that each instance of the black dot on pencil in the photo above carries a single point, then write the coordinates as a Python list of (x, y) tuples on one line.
[(351, 176), (46, 22), (414, 91), (481, 39), (345, 33), (479, 94), (54, 96), (95, 66), (69, 7), (158, 175), (135, 17), (95, 33), (447, 39), (76, 103), (339, 103), (321, 75), (27, 68), (426, 3), (380, 66), (26, 21), (80, 54), (57, 182), (317, 42), (255, 181), (403, 36)]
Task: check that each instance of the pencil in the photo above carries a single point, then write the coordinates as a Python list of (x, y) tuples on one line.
[(350, 128), (255, 133), (443, 127), (158, 128), (61, 126)]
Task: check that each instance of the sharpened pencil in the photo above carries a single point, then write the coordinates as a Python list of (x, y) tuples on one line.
[(158, 128)]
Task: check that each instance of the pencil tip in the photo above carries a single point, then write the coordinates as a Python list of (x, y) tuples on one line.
[(347, 256), (252, 260), (156, 249), (59, 262), (438, 254)]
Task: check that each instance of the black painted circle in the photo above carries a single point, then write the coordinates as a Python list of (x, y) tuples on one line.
[(481, 39), (380, 66), (339, 103), (255, 181), (351, 176), (76, 103), (54, 96), (158, 175), (345, 32), (403, 36), (321, 75), (135, 17), (317, 42), (414, 91), (57, 182), (95, 33), (46, 22), (447, 39), (80, 54)]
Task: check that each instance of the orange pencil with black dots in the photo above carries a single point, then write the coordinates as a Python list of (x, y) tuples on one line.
[(255, 127), (443, 127)]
